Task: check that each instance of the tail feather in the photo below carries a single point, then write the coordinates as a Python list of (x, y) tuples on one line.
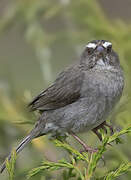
[(18, 149)]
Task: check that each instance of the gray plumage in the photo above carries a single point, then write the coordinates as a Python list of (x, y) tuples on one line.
[(82, 96)]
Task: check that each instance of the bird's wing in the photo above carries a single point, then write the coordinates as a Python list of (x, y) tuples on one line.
[(64, 91)]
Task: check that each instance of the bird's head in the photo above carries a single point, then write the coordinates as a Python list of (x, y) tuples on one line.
[(100, 54)]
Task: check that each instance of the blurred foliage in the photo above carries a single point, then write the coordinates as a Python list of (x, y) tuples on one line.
[(91, 161), (56, 31), (10, 165)]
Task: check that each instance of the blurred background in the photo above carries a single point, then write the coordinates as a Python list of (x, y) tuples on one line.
[(38, 38)]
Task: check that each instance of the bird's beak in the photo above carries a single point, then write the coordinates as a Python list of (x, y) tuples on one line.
[(101, 56), (100, 51)]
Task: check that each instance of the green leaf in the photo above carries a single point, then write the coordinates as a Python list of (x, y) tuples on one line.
[(117, 134), (95, 157), (80, 156), (123, 168), (10, 165)]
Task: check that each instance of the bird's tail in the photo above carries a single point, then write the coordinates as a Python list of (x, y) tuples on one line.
[(18, 149)]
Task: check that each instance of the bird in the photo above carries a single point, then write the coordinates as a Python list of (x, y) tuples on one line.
[(81, 98)]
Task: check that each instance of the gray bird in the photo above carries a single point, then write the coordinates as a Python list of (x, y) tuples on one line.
[(82, 96)]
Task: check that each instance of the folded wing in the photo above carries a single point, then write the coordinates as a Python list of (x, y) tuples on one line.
[(64, 91)]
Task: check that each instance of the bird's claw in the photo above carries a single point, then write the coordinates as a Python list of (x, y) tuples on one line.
[(102, 126), (89, 149)]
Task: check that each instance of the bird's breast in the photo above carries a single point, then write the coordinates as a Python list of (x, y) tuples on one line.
[(103, 84)]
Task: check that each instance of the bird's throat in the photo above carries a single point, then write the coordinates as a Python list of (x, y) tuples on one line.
[(103, 64)]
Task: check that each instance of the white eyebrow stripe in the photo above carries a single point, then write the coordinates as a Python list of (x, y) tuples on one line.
[(106, 44), (91, 45)]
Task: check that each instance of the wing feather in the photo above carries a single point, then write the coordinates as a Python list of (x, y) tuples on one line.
[(64, 91)]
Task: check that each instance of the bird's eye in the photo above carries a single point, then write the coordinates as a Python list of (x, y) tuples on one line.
[(89, 50), (90, 47), (109, 48)]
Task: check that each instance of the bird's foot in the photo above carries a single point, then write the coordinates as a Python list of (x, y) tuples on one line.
[(95, 130), (110, 127), (102, 126), (88, 149)]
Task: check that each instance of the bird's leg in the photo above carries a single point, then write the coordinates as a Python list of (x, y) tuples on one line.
[(86, 147), (110, 127), (102, 126), (95, 130)]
